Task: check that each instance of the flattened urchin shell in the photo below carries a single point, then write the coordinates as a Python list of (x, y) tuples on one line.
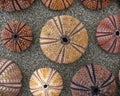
[(46, 82), (57, 4), (16, 36), (96, 4), (10, 78), (63, 39), (93, 80), (108, 34), (13, 5)]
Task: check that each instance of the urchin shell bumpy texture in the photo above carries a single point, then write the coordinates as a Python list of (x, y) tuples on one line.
[(15, 5), (63, 39), (46, 82), (10, 78), (93, 80), (57, 4), (96, 4)]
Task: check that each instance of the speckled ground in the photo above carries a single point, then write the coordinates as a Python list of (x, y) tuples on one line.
[(33, 58)]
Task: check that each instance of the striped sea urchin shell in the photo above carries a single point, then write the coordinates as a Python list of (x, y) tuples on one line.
[(10, 78), (46, 82), (13, 5), (108, 34), (93, 80), (16, 36), (63, 39), (96, 4), (57, 4)]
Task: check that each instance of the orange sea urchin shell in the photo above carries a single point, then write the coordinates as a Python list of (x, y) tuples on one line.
[(57, 4), (46, 82), (10, 78), (96, 4), (93, 80), (63, 39), (16, 36), (108, 34), (13, 5)]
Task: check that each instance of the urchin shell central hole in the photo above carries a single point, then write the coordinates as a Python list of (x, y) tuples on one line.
[(95, 90), (117, 33), (15, 36), (45, 86), (65, 39)]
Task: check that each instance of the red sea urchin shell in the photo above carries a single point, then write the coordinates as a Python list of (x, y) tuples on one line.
[(108, 34), (13, 5), (93, 80), (96, 4), (16, 36)]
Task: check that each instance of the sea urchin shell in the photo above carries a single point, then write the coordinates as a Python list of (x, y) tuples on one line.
[(96, 4), (63, 39), (13, 5), (16, 36), (93, 80), (10, 78), (46, 82), (108, 34), (57, 4), (119, 76)]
